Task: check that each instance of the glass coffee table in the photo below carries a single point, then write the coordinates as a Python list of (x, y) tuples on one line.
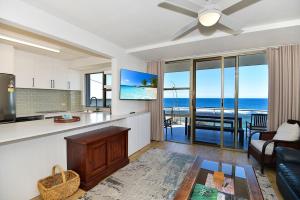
[(240, 181)]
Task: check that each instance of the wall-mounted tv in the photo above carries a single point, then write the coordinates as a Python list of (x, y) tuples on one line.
[(137, 85)]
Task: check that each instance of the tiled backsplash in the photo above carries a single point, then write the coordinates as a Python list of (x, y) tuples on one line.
[(36, 100)]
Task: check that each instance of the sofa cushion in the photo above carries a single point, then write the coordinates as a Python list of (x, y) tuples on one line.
[(258, 144), (288, 132), (291, 172)]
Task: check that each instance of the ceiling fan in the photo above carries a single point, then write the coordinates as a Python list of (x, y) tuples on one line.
[(207, 14)]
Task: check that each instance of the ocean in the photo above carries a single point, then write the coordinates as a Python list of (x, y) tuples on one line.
[(132, 92), (244, 103)]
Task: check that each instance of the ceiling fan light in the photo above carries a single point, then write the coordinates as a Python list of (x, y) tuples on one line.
[(209, 17)]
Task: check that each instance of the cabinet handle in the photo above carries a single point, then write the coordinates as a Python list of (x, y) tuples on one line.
[(53, 83), (69, 85), (32, 82)]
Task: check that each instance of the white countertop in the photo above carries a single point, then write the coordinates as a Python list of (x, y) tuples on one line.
[(24, 130)]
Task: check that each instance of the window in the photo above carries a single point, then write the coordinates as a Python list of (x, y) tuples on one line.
[(98, 86), (176, 85)]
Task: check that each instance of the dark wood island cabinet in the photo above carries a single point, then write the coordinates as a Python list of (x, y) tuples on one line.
[(97, 154)]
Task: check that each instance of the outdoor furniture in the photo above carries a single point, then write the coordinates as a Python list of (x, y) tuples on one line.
[(168, 121), (216, 119), (263, 148), (258, 122)]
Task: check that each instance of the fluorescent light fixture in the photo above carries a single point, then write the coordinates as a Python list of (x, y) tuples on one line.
[(209, 17), (4, 37)]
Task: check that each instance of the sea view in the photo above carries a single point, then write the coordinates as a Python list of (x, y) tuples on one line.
[(244, 103), (211, 106)]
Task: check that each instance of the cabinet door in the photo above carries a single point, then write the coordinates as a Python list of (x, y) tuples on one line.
[(116, 147), (96, 158), (59, 76), (24, 71), (73, 80), (7, 59), (43, 74)]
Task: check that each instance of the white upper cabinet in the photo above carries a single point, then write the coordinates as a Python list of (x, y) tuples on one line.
[(73, 79), (7, 59), (59, 75), (42, 72), (24, 70)]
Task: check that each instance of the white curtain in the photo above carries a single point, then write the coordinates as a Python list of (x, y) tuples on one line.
[(284, 84), (156, 106)]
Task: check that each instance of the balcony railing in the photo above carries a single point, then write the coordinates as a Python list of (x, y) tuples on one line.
[(180, 113)]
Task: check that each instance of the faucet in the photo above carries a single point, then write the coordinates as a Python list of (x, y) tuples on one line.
[(109, 107), (97, 108)]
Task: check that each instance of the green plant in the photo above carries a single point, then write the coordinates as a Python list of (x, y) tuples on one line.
[(144, 82), (154, 82)]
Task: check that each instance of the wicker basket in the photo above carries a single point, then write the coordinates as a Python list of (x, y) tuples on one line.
[(59, 186)]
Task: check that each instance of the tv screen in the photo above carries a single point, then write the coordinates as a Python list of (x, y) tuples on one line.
[(137, 85)]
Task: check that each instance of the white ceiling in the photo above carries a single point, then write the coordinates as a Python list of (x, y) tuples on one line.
[(134, 24), (67, 52)]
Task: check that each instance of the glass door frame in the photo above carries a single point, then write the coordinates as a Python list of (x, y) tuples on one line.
[(193, 97)]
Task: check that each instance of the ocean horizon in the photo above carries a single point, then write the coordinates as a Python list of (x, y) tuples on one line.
[(244, 103)]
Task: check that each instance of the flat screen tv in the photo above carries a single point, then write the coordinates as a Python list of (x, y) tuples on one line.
[(137, 85)]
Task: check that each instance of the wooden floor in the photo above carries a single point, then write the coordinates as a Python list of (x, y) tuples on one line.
[(213, 153)]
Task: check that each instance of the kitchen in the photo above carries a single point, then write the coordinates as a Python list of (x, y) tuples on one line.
[(42, 78)]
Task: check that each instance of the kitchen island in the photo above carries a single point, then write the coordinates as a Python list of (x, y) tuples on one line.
[(28, 150)]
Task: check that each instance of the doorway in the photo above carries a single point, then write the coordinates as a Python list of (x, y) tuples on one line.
[(226, 93)]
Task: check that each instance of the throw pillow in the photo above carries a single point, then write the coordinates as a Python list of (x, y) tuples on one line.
[(287, 132)]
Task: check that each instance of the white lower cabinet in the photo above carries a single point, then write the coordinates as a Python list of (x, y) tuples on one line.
[(139, 135)]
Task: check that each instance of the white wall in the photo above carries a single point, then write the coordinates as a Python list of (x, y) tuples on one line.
[(125, 106), (26, 16), (7, 53)]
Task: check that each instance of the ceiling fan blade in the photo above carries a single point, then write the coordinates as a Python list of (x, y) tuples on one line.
[(185, 4), (187, 28), (227, 4), (231, 23)]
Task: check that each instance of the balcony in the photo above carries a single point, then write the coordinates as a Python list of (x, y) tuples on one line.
[(209, 131)]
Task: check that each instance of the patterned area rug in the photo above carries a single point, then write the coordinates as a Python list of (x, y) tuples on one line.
[(156, 175), (265, 186)]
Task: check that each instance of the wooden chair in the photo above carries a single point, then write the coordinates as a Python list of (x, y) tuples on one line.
[(258, 122), (263, 149), (168, 122)]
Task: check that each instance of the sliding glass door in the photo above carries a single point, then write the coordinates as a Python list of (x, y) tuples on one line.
[(253, 94), (231, 122), (176, 101), (228, 94), (208, 99)]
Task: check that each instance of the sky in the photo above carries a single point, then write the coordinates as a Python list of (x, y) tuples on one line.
[(253, 82), (133, 78)]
